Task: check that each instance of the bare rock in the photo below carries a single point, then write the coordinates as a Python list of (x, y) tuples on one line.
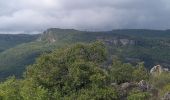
[(124, 41), (158, 69), (125, 85), (114, 84), (144, 86)]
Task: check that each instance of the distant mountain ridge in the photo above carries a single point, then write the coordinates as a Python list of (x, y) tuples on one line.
[(130, 45)]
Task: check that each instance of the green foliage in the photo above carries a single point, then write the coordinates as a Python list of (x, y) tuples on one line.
[(57, 64), (73, 71), (94, 93), (21, 90), (10, 89), (76, 73), (31, 91), (140, 73), (68, 73), (166, 89), (121, 72), (161, 83), (161, 80), (138, 95), (21, 56)]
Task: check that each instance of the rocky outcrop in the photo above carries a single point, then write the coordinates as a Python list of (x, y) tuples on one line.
[(126, 42), (127, 87), (144, 86), (158, 69), (48, 36), (118, 41)]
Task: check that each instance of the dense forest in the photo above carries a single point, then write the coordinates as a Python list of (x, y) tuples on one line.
[(81, 72), (10, 40)]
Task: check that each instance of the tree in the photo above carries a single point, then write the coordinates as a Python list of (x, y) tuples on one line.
[(120, 72), (94, 93), (140, 73), (71, 71), (138, 95), (31, 91), (10, 89)]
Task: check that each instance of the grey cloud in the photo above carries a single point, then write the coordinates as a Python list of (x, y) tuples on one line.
[(37, 15)]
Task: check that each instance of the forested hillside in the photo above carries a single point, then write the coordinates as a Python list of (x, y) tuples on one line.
[(131, 45), (9, 40)]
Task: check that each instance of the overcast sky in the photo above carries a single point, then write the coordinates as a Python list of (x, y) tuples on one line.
[(38, 15)]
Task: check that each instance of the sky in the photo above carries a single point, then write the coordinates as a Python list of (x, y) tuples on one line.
[(97, 15)]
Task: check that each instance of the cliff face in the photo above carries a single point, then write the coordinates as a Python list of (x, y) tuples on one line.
[(55, 34), (48, 36), (118, 41)]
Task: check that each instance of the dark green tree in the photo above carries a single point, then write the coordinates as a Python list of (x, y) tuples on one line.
[(138, 95), (121, 72), (71, 71), (140, 73)]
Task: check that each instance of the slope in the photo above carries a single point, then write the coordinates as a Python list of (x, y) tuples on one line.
[(11, 40)]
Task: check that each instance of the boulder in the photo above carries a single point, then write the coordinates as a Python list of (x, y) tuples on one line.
[(125, 88), (144, 86), (158, 69)]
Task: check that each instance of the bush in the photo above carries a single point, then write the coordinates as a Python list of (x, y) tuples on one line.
[(138, 95), (120, 72)]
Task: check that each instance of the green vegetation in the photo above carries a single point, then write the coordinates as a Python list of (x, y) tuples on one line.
[(69, 73), (78, 72), (131, 46), (9, 40), (122, 72), (138, 95)]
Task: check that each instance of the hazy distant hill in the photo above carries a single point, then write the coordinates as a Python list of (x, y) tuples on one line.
[(9, 40), (131, 45)]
